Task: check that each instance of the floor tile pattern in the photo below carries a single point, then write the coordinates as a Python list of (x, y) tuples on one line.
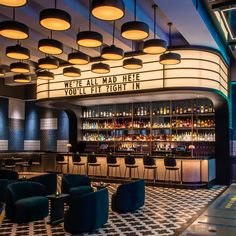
[(167, 211)]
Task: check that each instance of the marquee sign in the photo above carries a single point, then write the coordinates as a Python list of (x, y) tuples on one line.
[(198, 69)]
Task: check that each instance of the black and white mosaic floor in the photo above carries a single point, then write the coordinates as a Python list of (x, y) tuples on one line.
[(167, 211)]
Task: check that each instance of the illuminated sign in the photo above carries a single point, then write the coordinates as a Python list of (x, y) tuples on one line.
[(198, 69)]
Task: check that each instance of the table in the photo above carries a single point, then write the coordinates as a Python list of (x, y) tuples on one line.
[(57, 208), (101, 185)]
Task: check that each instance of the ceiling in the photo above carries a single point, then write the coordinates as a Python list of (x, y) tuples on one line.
[(190, 26)]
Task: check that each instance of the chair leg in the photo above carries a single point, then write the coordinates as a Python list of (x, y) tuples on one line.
[(138, 172), (179, 177), (107, 171), (84, 169), (144, 172), (165, 176), (147, 174), (120, 171), (175, 176), (100, 170), (125, 172), (169, 176)]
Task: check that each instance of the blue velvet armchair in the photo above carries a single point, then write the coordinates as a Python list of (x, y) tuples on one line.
[(87, 212), (26, 201), (75, 184), (49, 180), (129, 197)]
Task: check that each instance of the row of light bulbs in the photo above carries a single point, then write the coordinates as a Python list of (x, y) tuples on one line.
[(56, 19)]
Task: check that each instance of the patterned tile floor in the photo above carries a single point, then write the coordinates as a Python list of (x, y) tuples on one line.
[(167, 211)]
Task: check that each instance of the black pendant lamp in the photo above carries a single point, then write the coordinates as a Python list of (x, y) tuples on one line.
[(89, 38), (14, 29), (13, 3), (19, 67), (45, 75), (50, 46), (112, 52), (100, 68), (71, 72), (2, 72), (55, 19), (21, 78), (48, 63), (18, 52), (108, 9), (132, 63), (170, 58), (78, 58), (154, 46), (135, 30)]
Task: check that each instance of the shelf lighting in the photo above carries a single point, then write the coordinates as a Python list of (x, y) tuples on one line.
[(55, 19), (108, 9)]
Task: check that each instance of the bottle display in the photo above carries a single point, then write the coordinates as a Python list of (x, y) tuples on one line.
[(160, 126)]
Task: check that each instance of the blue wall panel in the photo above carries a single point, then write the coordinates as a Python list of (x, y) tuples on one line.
[(63, 126), (233, 91), (3, 118)]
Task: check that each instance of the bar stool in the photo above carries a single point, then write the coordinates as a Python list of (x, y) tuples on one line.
[(92, 161), (149, 164), (130, 164), (112, 163), (170, 165), (9, 163), (27, 165), (60, 160), (77, 163)]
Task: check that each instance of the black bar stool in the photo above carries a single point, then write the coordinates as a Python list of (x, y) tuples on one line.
[(130, 163), (10, 163), (149, 164), (77, 163), (112, 163), (92, 161), (27, 165), (170, 165), (60, 159)]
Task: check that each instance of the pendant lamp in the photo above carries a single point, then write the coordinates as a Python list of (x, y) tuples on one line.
[(55, 19), (112, 52), (2, 72), (50, 46), (21, 78), (14, 29), (78, 58), (135, 30), (71, 72), (100, 68), (45, 75), (108, 9), (48, 63), (132, 63), (154, 46), (19, 67), (89, 38), (13, 3), (170, 58), (18, 52)]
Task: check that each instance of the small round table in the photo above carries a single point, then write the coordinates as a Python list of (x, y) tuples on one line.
[(57, 208)]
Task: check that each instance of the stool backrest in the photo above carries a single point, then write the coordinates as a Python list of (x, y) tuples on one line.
[(170, 161), (130, 160), (60, 157), (92, 159), (111, 159), (9, 162), (148, 160), (76, 157)]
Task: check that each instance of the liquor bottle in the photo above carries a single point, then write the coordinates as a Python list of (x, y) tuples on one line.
[(194, 108), (167, 110), (206, 110), (161, 111), (173, 111), (89, 113), (138, 112), (198, 109), (164, 110), (158, 111), (210, 108), (141, 111), (189, 109), (181, 110), (177, 110), (202, 109), (185, 110)]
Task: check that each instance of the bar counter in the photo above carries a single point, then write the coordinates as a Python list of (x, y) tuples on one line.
[(193, 170)]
